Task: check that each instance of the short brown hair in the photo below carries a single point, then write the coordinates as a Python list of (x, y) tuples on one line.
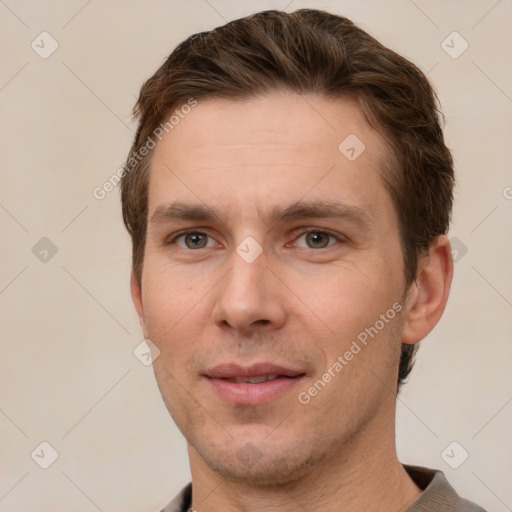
[(308, 51)]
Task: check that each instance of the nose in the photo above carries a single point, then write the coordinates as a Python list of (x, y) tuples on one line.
[(249, 297)]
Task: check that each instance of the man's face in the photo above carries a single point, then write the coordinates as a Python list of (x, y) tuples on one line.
[(292, 253)]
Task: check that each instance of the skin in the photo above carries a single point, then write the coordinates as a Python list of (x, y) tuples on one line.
[(300, 304)]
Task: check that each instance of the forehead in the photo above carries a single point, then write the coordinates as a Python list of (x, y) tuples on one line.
[(236, 154)]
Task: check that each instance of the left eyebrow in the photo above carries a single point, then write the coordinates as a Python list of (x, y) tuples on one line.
[(319, 210)]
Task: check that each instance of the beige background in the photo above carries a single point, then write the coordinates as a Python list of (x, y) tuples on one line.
[(68, 329)]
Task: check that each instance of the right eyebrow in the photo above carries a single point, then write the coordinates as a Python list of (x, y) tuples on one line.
[(182, 211)]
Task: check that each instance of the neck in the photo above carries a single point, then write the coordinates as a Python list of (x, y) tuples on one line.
[(364, 474)]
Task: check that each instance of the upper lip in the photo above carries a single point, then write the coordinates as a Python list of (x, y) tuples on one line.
[(231, 370)]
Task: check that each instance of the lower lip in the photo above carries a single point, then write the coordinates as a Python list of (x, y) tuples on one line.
[(253, 394)]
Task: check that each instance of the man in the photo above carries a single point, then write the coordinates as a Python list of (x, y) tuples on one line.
[(288, 195)]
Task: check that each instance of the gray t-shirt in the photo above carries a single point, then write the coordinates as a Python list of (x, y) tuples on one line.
[(437, 496)]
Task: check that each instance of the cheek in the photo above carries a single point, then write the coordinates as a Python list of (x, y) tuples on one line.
[(347, 299), (170, 302)]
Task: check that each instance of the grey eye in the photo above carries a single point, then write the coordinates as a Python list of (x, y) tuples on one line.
[(317, 240), (192, 240)]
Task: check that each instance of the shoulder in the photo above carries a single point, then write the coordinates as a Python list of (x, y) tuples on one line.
[(181, 502), (437, 493)]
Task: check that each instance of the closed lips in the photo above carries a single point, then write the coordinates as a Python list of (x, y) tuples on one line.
[(255, 374), (257, 384), (254, 380)]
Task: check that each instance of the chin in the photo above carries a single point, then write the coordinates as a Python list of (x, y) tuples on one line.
[(261, 462)]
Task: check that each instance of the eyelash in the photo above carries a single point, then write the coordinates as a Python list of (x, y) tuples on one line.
[(338, 238)]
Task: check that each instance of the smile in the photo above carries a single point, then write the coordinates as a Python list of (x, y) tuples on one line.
[(252, 385)]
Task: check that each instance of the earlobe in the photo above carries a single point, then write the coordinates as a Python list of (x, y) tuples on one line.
[(428, 295), (136, 292)]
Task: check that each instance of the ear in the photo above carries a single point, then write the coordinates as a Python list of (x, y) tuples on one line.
[(427, 296), (136, 291)]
